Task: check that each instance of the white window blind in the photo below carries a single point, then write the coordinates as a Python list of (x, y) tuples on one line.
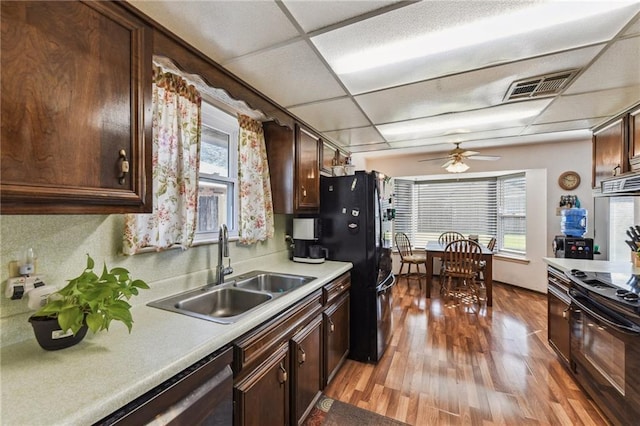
[(425, 209), (487, 207)]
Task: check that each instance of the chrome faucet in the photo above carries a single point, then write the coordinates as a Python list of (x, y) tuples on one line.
[(223, 251)]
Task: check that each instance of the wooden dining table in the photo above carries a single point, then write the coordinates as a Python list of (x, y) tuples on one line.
[(435, 249)]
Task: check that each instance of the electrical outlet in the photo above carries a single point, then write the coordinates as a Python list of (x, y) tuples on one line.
[(17, 287)]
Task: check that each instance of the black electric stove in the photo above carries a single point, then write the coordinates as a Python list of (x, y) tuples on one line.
[(618, 291)]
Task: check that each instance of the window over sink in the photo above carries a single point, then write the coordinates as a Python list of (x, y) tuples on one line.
[(218, 186)]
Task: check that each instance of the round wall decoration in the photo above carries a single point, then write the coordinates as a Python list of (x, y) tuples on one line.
[(569, 180)]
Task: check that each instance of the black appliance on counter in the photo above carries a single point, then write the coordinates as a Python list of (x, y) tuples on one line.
[(573, 247), (605, 340), (351, 220)]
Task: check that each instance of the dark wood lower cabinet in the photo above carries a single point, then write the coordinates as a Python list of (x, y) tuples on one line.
[(281, 367), (336, 331), (306, 369), (558, 327), (262, 397)]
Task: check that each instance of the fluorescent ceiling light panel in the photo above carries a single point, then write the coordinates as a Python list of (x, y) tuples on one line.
[(460, 122), (531, 19)]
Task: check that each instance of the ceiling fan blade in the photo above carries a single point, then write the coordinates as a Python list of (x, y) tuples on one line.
[(432, 159), (469, 153), (485, 157), (448, 163)]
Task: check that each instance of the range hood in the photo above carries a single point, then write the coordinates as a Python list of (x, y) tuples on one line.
[(623, 185)]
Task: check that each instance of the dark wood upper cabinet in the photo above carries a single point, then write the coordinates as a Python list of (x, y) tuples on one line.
[(634, 139), (307, 171), (294, 168), (609, 157), (76, 93)]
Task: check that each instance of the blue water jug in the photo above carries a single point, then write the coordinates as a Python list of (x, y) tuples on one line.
[(574, 222)]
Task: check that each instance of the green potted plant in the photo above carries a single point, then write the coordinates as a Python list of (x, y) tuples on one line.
[(88, 301)]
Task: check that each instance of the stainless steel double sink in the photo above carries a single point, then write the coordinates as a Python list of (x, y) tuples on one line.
[(228, 302)]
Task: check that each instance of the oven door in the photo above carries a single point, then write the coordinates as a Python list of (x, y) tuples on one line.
[(605, 358)]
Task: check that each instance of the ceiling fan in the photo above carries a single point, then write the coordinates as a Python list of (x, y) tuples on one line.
[(455, 157)]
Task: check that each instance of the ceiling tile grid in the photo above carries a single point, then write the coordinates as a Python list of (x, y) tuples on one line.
[(290, 74), (361, 73)]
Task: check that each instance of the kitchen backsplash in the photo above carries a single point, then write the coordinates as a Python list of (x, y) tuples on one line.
[(61, 243)]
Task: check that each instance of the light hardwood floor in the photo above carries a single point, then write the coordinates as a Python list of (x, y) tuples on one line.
[(447, 366)]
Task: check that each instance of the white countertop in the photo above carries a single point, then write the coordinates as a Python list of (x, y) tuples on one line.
[(84, 383), (592, 265)]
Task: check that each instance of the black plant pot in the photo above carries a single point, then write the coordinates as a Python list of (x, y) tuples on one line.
[(49, 334)]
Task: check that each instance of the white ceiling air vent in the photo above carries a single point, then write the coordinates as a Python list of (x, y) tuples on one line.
[(543, 85)]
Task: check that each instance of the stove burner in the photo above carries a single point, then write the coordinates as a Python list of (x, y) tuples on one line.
[(627, 295), (578, 273)]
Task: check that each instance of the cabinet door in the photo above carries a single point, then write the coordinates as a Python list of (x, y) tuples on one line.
[(558, 325), (336, 331), (76, 79), (608, 152), (306, 369), (262, 398), (634, 139), (280, 144), (307, 172)]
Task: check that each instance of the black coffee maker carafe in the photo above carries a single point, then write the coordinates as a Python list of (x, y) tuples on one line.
[(306, 232)]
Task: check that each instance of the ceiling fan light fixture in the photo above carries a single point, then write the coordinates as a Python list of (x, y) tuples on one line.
[(457, 167)]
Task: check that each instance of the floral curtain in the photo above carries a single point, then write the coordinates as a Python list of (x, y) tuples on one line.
[(256, 207), (176, 115)]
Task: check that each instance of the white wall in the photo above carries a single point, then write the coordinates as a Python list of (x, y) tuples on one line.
[(543, 164)]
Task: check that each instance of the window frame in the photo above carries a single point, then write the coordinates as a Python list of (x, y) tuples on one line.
[(407, 209), (220, 120), (502, 215)]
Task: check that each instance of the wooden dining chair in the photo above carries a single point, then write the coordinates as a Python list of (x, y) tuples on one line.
[(482, 266), (449, 236), (409, 258), (444, 239), (461, 260)]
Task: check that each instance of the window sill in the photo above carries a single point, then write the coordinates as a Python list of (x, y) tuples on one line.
[(178, 246), (511, 258)]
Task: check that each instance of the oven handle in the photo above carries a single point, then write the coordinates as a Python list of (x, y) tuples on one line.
[(616, 325)]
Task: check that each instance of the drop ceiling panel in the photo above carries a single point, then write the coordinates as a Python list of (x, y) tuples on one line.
[(358, 136), (620, 63), (605, 103), (400, 25), (222, 30), (473, 90), (290, 74), (331, 115), (370, 148), (563, 126), (460, 124), (489, 134), (634, 28), (312, 15)]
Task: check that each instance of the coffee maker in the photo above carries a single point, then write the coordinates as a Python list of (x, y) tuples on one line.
[(306, 233)]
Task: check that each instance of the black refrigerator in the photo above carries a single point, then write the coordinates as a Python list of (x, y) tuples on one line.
[(351, 221)]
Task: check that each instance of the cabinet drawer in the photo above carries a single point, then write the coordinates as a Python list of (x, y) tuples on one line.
[(334, 289), (255, 346)]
